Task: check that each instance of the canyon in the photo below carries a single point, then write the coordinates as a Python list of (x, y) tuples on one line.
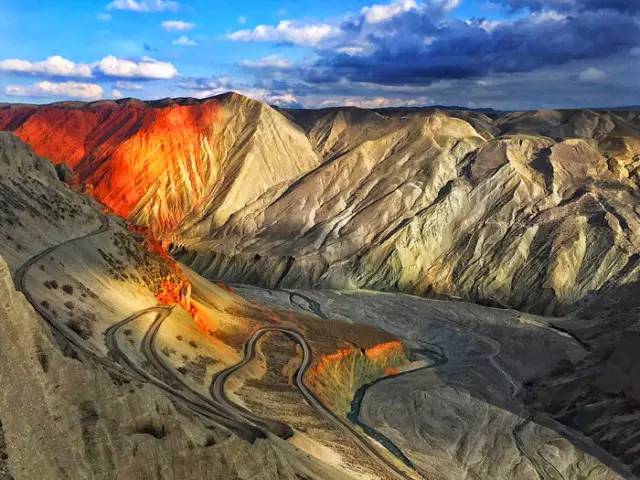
[(384, 293)]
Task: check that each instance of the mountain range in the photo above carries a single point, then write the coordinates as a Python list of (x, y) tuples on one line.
[(345, 289)]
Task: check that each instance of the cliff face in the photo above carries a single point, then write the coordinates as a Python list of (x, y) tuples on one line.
[(533, 210)]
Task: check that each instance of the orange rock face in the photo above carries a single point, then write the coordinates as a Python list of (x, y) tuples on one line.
[(335, 377), (120, 149)]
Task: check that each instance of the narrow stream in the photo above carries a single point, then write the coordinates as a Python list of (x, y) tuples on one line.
[(437, 357)]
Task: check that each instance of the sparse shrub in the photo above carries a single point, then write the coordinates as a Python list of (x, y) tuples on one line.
[(81, 327), (68, 289), (69, 305)]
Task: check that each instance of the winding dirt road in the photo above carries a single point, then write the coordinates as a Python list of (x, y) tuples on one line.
[(218, 408), (121, 365), (217, 391), (200, 404)]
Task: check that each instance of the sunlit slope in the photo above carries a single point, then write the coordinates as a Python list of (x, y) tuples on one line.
[(157, 162)]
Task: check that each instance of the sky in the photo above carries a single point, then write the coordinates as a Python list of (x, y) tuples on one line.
[(502, 54)]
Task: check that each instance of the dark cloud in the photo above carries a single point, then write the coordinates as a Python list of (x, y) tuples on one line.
[(626, 6), (546, 53), (416, 50)]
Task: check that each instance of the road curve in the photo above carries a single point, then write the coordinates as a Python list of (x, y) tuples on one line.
[(217, 391), (131, 371), (201, 404), (19, 279), (151, 354)]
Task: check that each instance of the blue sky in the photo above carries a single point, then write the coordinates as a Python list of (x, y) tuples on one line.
[(507, 54)]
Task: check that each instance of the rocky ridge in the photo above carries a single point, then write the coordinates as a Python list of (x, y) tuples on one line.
[(534, 210)]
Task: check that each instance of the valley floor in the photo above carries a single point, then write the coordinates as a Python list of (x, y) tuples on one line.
[(462, 415)]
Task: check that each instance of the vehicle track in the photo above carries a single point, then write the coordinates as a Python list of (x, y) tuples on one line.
[(131, 371), (201, 405), (217, 390), (151, 354)]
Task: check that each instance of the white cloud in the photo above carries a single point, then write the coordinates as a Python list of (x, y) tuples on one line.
[(242, 20), (383, 13), (176, 25), (592, 75), (270, 61), (184, 41), (203, 88), (283, 99), (104, 17), (374, 102), (287, 31), (548, 16), (489, 25), (147, 68), (129, 86), (115, 93), (144, 6), (53, 89), (354, 50), (55, 66), (447, 5)]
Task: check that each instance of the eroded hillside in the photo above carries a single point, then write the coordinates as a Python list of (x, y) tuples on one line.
[(533, 210), (126, 364)]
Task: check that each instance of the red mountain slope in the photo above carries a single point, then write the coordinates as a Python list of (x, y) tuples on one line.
[(154, 162)]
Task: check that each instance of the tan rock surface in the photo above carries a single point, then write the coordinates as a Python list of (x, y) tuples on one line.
[(535, 218)]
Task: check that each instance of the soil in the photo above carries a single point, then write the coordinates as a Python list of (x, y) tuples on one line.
[(4, 465)]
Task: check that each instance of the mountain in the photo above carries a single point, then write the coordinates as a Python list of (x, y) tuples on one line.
[(156, 162), (532, 210), (535, 218), (315, 363)]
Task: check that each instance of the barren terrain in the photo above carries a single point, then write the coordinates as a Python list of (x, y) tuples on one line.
[(221, 289)]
